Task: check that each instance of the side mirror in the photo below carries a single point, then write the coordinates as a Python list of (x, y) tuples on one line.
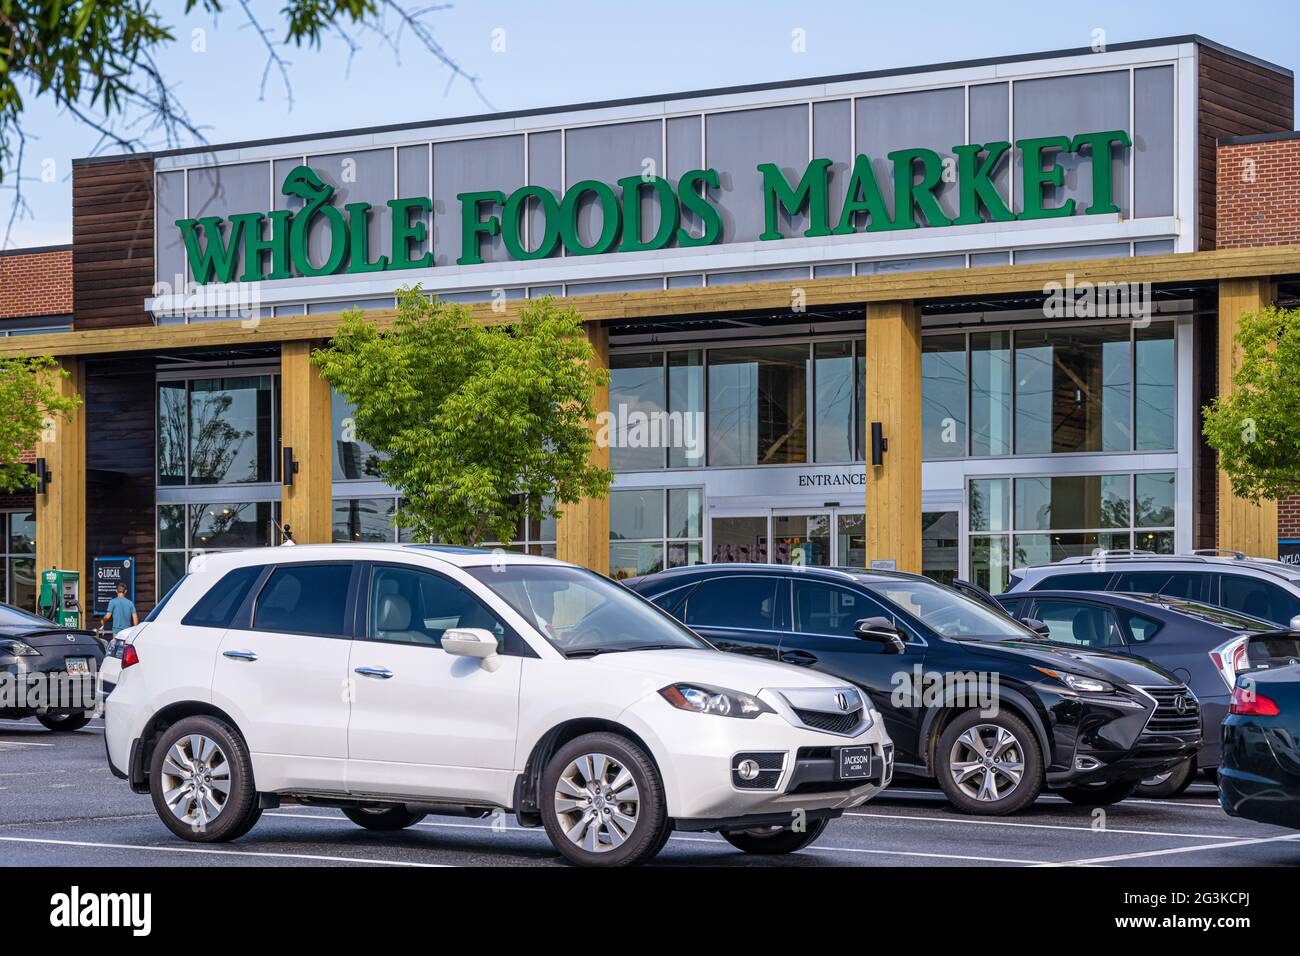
[(1037, 626), (881, 630), (472, 642), (1295, 623)]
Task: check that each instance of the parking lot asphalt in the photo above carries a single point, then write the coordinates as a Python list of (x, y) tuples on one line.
[(60, 806)]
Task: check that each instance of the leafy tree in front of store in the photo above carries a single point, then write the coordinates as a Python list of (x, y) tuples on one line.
[(482, 426), (29, 405), (1256, 427)]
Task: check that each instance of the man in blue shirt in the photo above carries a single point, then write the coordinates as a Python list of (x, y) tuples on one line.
[(121, 611)]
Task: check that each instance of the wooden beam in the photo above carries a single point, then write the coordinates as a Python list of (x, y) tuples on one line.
[(61, 511), (582, 531), (893, 398), (909, 286), (1242, 524), (306, 427)]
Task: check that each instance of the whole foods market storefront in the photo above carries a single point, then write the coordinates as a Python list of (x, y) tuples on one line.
[(957, 318)]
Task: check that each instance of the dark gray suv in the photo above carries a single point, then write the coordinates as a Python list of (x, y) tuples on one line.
[(1255, 587)]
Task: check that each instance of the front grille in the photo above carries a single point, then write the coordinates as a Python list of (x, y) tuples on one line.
[(770, 766), (1168, 717), (829, 722)]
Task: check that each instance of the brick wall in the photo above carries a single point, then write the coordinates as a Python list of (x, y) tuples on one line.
[(37, 282), (1288, 517)]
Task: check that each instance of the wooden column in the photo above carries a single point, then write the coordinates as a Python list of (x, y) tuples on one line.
[(61, 511), (1242, 525), (582, 532), (305, 427), (893, 398)]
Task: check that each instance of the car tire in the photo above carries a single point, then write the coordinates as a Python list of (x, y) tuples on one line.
[(63, 723), (975, 787), (1170, 783), (582, 813), (193, 762), (1099, 794), (383, 819), (774, 841)]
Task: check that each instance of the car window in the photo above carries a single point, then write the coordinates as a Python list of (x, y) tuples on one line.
[(1141, 629), (734, 601), (305, 599), (1012, 606), (1188, 585), (826, 609), (217, 607), (944, 611), (410, 606), (1089, 581), (1080, 624), (1257, 598)]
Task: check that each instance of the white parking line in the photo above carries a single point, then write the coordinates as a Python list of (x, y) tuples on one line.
[(21, 743), (894, 792), (214, 852), (1036, 826), (824, 848), (1121, 857)]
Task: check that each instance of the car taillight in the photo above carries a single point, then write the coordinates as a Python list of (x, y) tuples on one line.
[(1249, 703), (129, 656), (1230, 659)]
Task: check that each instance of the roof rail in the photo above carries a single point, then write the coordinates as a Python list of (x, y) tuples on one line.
[(1213, 552), (1102, 553)]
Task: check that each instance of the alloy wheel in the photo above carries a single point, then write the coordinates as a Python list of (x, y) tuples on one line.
[(196, 780), (987, 762), (596, 801)]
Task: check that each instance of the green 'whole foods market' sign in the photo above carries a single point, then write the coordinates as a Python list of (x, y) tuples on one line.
[(275, 244)]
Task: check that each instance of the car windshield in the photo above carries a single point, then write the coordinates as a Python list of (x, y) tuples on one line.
[(14, 617), (948, 613), (1216, 615), (582, 613)]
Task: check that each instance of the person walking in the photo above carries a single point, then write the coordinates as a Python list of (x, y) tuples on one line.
[(121, 612)]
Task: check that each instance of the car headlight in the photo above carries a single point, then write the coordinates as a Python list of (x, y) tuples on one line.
[(1077, 682), (703, 699), (17, 649)]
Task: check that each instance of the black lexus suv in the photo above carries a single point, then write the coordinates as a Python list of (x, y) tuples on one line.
[(971, 697)]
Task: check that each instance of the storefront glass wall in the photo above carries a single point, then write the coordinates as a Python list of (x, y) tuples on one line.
[(18, 559), (651, 529)]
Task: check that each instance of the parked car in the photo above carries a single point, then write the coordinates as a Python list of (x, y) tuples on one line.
[(396, 681), (50, 669), (1199, 643), (1087, 724), (1255, 587), (1260, 775)]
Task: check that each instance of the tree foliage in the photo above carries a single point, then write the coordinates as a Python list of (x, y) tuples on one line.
[(478, 423), (1256, 428), (29, 403)]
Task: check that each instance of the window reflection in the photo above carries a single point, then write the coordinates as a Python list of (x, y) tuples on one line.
[(990, 393), (1072, 390), (353, 458), (943, 396), (758, 405), (833, 401)]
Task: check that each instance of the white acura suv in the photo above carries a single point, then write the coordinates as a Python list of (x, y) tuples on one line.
[(395, 681)]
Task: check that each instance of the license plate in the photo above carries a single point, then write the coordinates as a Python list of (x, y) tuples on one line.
[(77, 665), (854, 763)]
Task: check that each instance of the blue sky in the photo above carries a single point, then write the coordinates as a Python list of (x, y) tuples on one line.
[(530, 54)]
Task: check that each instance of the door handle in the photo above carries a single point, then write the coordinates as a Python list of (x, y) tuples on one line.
[(798, 657), (240, 655), (378, 673)]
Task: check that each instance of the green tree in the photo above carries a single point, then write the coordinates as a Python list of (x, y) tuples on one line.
[(1256, 428), (478, 422), (28, 402)]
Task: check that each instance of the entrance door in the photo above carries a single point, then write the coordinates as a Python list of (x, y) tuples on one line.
[(802, 538)]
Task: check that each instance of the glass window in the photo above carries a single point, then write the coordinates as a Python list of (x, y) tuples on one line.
[(990, 504), (943, 396), (230, 437), (1155, 401), (685, 512), (233, 524), (630, 559), (636, 515), (944, 610), (1190, 585), (940, 545), (827, 609), (1141, 629), (990, 393), (1072, 390), (1080, 624), (1072, 501), (364, 519), (639, 543), (305, 599), (1034, 549), (171, 568), (1258, 599), (534, 535), (173, 433), (852, 541), (22, 532), (740, 540), (408, 606), (758, 405), (801, 540), (217, 607), (636, 403), (860, 398), (989, 564), (686, 401), (833, 400), (747, 602), (171, 526), (1153, 496), (353, 458), (22, 583), (1076, 582)]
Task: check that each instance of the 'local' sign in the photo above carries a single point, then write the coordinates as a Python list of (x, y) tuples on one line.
[(275, 244)]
